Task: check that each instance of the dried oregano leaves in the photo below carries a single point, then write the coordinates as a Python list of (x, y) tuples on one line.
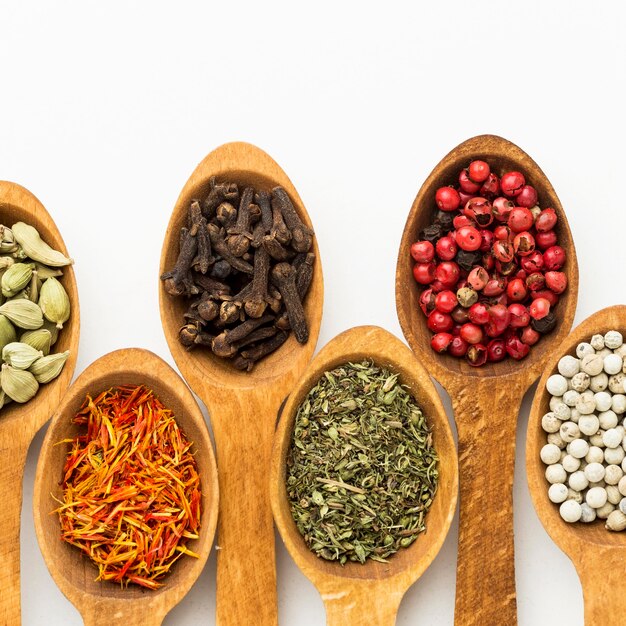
[(362, 470)]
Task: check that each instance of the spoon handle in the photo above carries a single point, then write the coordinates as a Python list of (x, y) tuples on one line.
[(486, 417), (122, 613), (243, 425), (14, 442)]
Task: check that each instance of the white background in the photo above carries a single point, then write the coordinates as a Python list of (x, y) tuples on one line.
[(106, 108)]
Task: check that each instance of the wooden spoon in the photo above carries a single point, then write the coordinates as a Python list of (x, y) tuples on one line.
[(485, 399), (368, 594), (106, 603), (20, 422), (598, 554), (242, 405)]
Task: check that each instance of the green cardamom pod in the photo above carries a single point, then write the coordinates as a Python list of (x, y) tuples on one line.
[(36, 248), (19, 385), (54, 331), (4, 399), (40, 339), (23, 313), (47, 368), (20, 355), (54, 302), (7, 332), (16, 278), (44, 272), (7, 241), (35, 286), (6, 261)]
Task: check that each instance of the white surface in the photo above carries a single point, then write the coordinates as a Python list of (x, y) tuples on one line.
[(106, 108)]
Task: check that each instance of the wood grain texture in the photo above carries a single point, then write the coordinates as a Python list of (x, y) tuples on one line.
[(20, 422), (485, 577), (598, 554), (243, 405), (105, 603), (368, 594)]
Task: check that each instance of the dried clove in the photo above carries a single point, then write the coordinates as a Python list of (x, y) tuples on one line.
[(239, 234), (226, 214), (247, 358), (301, 235), (256, 301), (284, 277), (176, 281), (218, 194), (198, 229), (221, 247)]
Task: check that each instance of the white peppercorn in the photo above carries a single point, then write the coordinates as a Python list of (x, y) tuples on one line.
[(550, 454), (592, 364), (594, 472), (621, 485), (555, 473), (588, 514), (583, 349), (578, 448), (608, 419), (581, 381), (596, 496), (616, 383), (622, 505), (613, 339), (577, 496), (570, 463), (612, 364), (611, 437), (568, 366), (554, 402), (604, 352), (569, 431), (599, 382), (621, 351), (613, 495), (556, 385), (577, 481), (588, 424), (551, 424), (597, 342), (618, 404), (616, 521), (557, 493), (604, 511), (570, 511), (596, 440), (561, 410), (556, 439), (613, 474), (602, 400), (574, 416), (614, 456), (570, 397), (595, 455)]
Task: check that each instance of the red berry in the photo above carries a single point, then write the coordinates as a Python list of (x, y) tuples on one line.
[(495, 286), (530, 336), (459, 315), (554, 258), (465, 197), (461, 220), (545, 240), (527, 197), (496, 350), (491, 186), (520, 219), (539, 308), (502, 207), (478, 278), (516, 290), (479, 210), (499, 318), (486, 240), (468, 238), (478, 313), (546, 220), (478, 171), (503, 251), (446, 301), (472, 333), (437, 286), (535, 281), (515, 348), (519, 315), (512, 183), (556, 281), (507, 268), (458, 347), (533, 262), (447, 272), (524, 244), (502, 233), (424, 273), (550, 296), (446, 248), (476, 355), (447, 198), (441, 341), (422, 251), (440, 322), (467, 185), (427, 302)]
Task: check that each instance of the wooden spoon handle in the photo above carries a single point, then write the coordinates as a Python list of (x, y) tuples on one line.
[(246, 568), (14, 444), (121, 613), (486, 417), (362, 603)]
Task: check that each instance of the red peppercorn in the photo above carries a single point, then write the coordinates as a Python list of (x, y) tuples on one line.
[(499, 318), (468, 238), (446, 248), (539, 308), (476, 355), (506, 269), (440, 322), (465, 197), (520, 219), (486, 240), (519, 315), (546, 220), (496, 350), (422, 251), (461, 220), (536, 281), (556, 281), (472, 333), (466, 184), (521, 274), (447, 272), (440, 342), (530, 336), (524, 244), (458, 347), (479, 210), (515, 348), (503, 251), (437, 286), (478, 278), (495, 286), (550, 296), (527, 197), (488, 261), (533, 262), (459, 315), (478, 313), (554, 258), (516, 290), (424, 273), (502, 208), (427, 302), (478, 171), (491, 186), (446, 301), (512, 183), (447, 198), (545, 240), (502, 233)]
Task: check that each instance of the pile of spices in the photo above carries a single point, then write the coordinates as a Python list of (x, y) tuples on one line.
[(131, 490), (245, 265), (33, 308), (586, 449), (490, 266), (361, 471)]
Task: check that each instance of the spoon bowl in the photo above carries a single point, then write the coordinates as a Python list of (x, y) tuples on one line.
[(107, 603), (598, 554), (370, 593), (20, 422), (485, 399), (242, 405)]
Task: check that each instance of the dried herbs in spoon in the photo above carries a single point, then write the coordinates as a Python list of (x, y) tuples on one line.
[(362, 470)]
